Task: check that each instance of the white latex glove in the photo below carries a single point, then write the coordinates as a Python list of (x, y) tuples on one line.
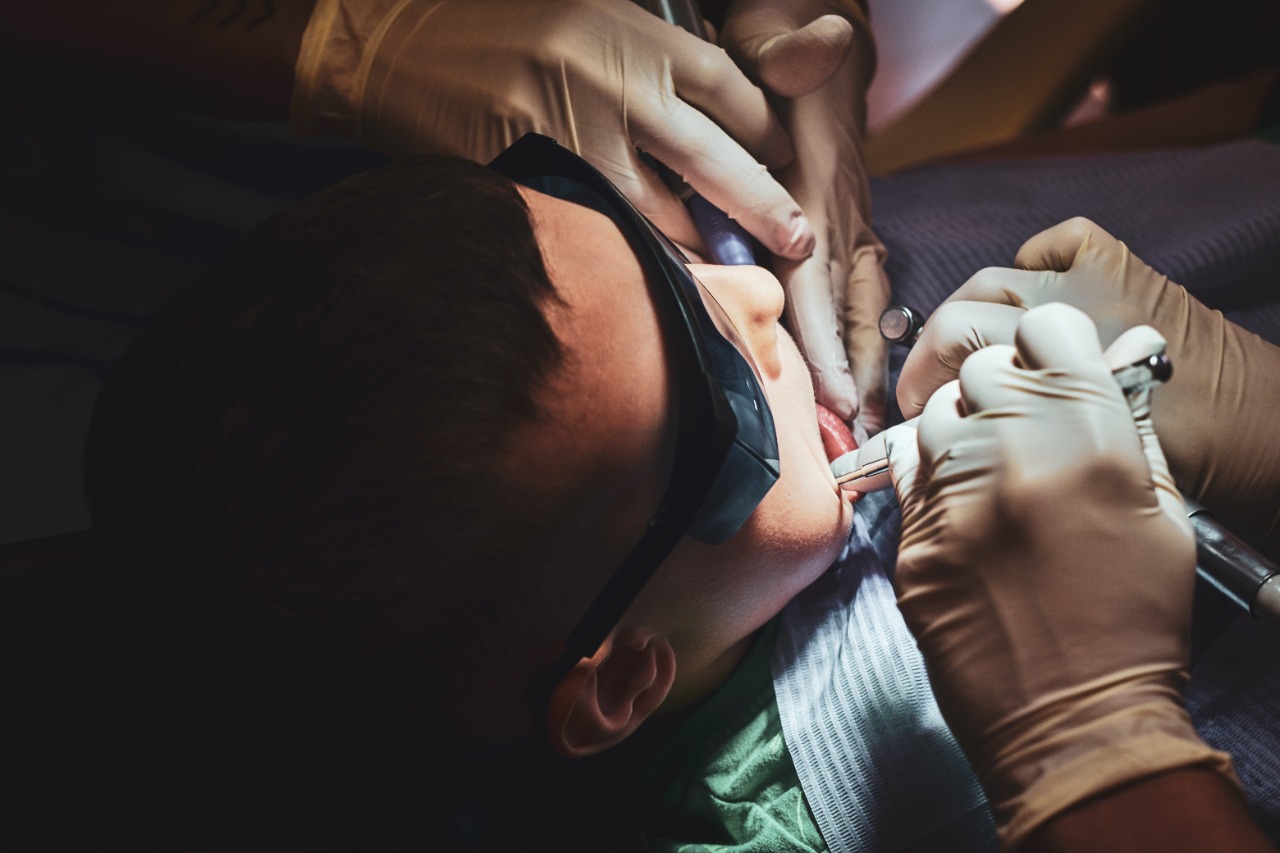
[(817, 58), (1046, 569), (605, 78), (1215, 418)]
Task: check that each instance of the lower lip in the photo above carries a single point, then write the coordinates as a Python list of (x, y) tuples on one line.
[(837, 439)]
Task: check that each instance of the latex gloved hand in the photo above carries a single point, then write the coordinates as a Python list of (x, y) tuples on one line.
[(1215, 417), (1046, 569), (605, 78), (817, 57)]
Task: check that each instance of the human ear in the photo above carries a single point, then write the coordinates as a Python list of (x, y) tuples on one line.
[(606, 697)]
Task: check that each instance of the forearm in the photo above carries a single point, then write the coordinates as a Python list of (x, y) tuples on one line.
[(1191, 810), (223, 56)]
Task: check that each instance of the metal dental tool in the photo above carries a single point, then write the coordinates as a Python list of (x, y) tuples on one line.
[(727, 241), (1236, 570), (900, 324), (1224, 561)]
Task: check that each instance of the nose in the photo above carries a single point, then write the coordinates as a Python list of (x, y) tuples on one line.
[(753, 299)]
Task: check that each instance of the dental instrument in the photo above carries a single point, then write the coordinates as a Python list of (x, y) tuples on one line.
[(1233, 568), (727, 241), (900, 324)]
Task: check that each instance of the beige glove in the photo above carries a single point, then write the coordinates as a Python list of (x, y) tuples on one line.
[(796, 50), (1046, 569), (1215, 418), (603, 77)]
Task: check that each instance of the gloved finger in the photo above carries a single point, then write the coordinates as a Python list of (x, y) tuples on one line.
[(1056, 360), (871, 381), (812, 318), (1031, 288), (866, 297), (787, 48), (795, 62), (902, 449), (941, 426), (720, 170), (1056, 248), (752, 28), (1137, 344), (1061, 337), (705, 77), (1064, 368), (1058, 346), (953, 333), (1004, 285), (651, 195), (992, 379)]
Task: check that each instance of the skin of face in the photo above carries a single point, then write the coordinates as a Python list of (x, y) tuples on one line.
[(611, 433)]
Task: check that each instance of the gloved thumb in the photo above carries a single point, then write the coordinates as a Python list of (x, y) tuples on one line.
[(788, 60), (953, 333), (1135, 345), (902, 449)]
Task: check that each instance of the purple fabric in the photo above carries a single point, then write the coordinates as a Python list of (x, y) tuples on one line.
[(1209, 218)]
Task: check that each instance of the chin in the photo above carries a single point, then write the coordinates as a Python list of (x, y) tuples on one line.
[(830, 548), (818, 522)]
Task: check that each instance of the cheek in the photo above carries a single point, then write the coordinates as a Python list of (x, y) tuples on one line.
[(773, 558), (788, 542), (794, 536), (802, 523), (805, 504), (738, 585)]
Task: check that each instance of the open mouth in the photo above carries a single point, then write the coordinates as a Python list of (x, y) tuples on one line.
[(837, 438)]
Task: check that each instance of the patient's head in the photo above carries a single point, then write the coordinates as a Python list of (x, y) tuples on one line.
[(413, 424)]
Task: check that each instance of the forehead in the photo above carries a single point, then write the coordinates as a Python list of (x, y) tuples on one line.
[(610, 318)]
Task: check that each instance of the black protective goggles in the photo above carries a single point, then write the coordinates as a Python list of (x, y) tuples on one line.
[(726, 454)]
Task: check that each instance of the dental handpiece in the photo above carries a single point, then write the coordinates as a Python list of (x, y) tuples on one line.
[(727, 241), (1223, 560), (1233, 568)]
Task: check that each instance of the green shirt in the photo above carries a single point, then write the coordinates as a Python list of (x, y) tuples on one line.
[(724, 780)]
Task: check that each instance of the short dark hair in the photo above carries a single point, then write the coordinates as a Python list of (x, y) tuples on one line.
[(314, 434)]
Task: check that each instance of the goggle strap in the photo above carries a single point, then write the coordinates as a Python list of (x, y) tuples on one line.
[(660, 538)]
